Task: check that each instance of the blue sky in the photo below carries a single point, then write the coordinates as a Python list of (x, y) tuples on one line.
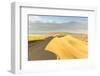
[(64, 19), (39, 24), (58, 19)]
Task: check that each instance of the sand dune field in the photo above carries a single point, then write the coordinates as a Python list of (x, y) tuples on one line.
[(57, 46)]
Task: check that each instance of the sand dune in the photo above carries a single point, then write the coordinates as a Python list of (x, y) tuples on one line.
[(62, 45), (68, 47)]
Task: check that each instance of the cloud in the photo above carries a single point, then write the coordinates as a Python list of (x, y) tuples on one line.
[(34, 18), (37, 19)]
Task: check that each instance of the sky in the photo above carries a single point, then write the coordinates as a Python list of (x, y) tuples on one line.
[(45, 24)]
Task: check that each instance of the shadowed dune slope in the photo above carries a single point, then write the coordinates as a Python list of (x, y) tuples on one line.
[(36, 50)]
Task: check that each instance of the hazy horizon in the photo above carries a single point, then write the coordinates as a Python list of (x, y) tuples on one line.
[(45, 24)]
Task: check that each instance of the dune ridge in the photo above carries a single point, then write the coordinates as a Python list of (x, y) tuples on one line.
[(68, 47)]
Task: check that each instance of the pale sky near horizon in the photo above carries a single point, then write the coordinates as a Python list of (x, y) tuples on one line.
[(44, 24)]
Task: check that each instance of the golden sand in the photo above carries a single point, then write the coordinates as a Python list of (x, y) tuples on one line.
[(68, 47), (33, 37)]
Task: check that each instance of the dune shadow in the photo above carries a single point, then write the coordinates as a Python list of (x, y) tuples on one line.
[(41, 55), (36, 50)]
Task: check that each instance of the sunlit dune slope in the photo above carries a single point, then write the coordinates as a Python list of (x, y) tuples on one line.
[(32, 37), (68, 47)]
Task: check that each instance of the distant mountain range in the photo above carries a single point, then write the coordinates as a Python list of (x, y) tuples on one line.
[(77, 27)]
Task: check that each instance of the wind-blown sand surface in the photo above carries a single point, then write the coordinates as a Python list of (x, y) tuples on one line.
[(47, 47), (68, 47)]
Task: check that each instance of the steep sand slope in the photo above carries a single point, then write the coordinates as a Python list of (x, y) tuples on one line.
[(68, 47)]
